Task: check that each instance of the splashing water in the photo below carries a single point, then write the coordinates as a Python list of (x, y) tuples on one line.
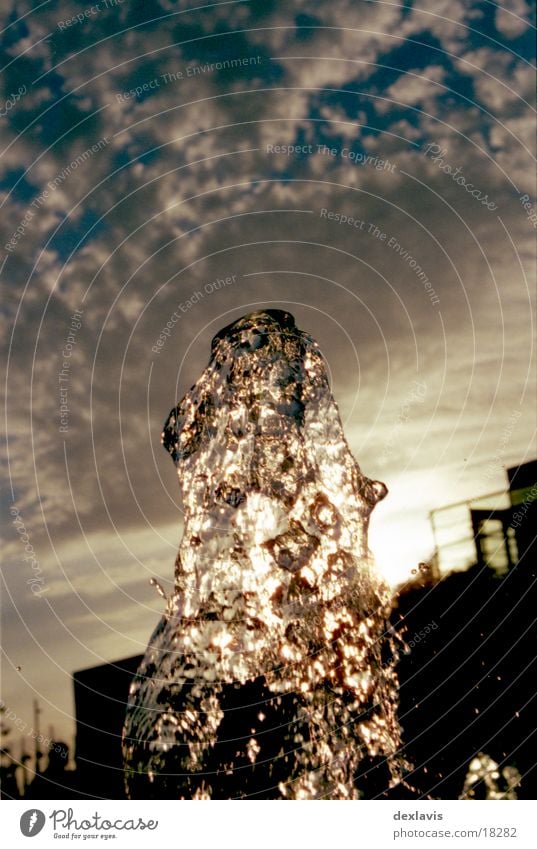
[(154, 583), (485, 780), (272, 674)]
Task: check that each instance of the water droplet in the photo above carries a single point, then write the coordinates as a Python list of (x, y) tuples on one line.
[(18, 668), (154, 583)]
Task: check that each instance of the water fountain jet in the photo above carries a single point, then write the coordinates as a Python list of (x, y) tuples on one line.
[(272, 673)]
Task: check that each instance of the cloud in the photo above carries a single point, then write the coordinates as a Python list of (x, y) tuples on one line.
[(514, 21), (414, 89)]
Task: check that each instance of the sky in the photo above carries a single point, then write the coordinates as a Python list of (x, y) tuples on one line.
[(167, 168)]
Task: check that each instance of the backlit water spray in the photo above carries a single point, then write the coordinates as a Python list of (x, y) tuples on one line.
[(272, 673)]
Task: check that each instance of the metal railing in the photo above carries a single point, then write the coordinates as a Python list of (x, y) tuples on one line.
[(456, 543)]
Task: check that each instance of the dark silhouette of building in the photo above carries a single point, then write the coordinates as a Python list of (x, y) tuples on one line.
[(101, 695), (468, 684), (497, 527), (523, 495)]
